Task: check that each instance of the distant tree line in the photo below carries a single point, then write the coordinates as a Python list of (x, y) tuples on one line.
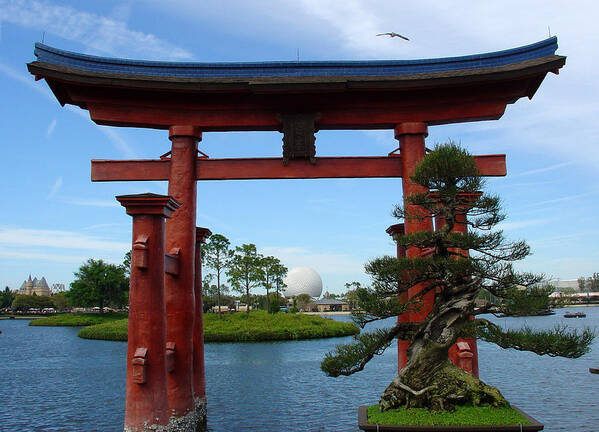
[(96, 284), (245, 270), (590, 284), (100, 284)]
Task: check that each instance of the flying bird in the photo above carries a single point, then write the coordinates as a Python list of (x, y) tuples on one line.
[(393, 34)]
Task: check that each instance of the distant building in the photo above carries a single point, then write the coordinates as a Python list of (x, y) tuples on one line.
[(330, 305), (302, 280), (58, 287), (36, 286), (569, 284)]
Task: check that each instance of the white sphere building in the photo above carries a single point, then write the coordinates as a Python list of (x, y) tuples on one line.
[(302, 280)]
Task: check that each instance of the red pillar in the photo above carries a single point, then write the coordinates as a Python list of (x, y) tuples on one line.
[(146, 402), (199, 376), (396, 231), (180, 301), (412, 149), (464, 353)]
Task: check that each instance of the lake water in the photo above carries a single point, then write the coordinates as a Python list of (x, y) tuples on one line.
[(51, 380)]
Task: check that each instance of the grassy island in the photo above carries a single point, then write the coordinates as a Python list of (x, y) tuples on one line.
[(78, 319), (462, 416), (237, 327), (111, 330), (261, 326)]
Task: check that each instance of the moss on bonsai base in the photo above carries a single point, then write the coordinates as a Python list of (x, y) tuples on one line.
[(462, 416)]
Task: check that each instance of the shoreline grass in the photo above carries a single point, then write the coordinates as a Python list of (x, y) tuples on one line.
[(238, 327), (78, 319), (112, 331), (462, 416)]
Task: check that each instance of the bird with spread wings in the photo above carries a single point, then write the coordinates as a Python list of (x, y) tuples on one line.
[(393, 34)]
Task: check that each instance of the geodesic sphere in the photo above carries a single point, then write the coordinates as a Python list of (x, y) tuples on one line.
[(303, 280)]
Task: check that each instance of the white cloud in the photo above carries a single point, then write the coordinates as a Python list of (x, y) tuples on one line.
[(119, 143), (100, 34), (509, 226), (356, 25), (26, 79), (542, 170), (22, 237), (51, 128), (111, 133), (106, 225), (558, 200), (531, 184), (55, 187), (87, 202), (39, 256), (323, 262)]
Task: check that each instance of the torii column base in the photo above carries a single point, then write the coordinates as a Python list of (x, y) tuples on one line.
[(193, 421)]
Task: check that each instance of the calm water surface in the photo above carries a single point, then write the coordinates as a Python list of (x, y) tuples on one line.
[(51, 380)]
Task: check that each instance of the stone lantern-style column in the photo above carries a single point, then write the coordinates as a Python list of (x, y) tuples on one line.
[(146, 403)]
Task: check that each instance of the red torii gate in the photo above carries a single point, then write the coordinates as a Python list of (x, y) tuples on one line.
[(297, 98)]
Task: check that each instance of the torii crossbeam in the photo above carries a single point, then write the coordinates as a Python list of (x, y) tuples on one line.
[(273, 168)]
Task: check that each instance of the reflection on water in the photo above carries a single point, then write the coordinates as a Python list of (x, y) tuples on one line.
[(50, 380)]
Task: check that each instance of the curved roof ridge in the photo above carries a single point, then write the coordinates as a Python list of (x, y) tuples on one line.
[(50, 55)]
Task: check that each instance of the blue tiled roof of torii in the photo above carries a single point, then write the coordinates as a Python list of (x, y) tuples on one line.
[(365, 68)]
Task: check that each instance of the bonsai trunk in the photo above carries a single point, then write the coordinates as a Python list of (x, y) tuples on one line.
[(430, 380)]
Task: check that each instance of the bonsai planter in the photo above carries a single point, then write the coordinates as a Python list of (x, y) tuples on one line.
[(365, 426)]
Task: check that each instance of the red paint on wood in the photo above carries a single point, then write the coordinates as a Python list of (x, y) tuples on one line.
[(461, 226), (146, 388), (273, 168), (171, 263), (467, 360), (129, 170), (375, 116), (412, 146), (199, 374), (180, 298)]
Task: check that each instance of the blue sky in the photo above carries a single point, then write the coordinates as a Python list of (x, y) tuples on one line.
[(54, 218)]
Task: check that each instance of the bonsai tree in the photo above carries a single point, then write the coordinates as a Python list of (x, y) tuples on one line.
[(530, 301), (445, 267)]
